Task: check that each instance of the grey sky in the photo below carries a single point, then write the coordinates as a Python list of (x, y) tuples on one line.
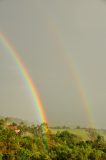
[(48, 36)]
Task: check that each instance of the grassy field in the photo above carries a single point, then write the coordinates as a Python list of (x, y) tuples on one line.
[(82, 133), (79, 132)]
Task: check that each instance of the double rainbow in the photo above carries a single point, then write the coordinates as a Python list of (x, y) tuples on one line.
[(31, 86)]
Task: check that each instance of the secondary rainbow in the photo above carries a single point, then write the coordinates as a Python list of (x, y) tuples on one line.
[(74, 71), (27, 78)]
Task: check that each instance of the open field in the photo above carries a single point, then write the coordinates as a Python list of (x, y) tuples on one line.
[(82, 133)]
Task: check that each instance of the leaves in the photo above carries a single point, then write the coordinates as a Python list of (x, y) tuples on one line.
[(39, 143)]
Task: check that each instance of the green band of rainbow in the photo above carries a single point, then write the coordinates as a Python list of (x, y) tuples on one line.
[(27, 78)]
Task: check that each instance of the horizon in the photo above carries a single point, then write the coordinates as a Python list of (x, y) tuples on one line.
[(63, 47)]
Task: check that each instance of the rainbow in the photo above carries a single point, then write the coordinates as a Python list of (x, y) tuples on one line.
[(27, 78), (74, 71), (68, 61)]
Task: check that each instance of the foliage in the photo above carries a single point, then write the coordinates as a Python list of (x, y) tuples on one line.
[(22, 142)]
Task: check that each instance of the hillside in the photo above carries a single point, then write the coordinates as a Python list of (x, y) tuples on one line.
[(19, 141)]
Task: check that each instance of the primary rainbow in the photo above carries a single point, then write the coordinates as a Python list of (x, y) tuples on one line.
[(27, 78)]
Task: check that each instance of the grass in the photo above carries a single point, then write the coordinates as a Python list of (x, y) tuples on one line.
[(82, 133), (79, 132)]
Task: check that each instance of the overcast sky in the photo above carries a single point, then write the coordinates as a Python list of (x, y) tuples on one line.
[(52, 37)]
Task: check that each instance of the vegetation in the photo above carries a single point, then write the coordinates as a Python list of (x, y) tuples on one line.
[(22, 142)]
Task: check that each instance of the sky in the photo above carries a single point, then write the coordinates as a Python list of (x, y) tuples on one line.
[(63, 44)]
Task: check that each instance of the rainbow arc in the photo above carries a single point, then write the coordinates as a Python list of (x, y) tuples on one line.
[(27, 78)]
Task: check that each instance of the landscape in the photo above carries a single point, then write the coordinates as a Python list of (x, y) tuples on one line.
[(21, 141), (52, 79)]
